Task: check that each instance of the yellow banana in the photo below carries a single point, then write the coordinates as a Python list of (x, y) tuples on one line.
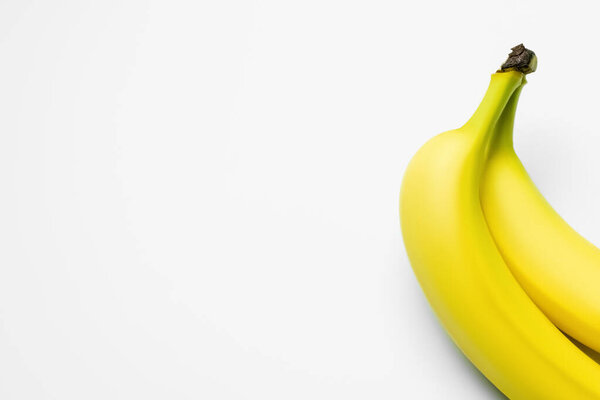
[(558, 268), (475, 296)]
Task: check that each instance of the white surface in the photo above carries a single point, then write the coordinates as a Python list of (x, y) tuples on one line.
[(198, 200)]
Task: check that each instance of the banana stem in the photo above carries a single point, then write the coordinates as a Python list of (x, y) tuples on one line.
[(500, 90), (503, 131), (504, 84)]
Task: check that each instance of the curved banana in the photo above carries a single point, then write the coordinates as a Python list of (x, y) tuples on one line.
[(558, 268), (474, 294)]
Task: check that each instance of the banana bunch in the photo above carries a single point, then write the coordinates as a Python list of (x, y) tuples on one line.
[(508, 278)]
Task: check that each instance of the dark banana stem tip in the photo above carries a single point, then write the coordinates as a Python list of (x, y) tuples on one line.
[(520, 59)]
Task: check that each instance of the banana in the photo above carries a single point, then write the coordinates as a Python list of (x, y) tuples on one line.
[(557, 268), (470, 288)]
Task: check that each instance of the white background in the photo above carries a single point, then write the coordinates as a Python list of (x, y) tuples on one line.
[(198, 199)]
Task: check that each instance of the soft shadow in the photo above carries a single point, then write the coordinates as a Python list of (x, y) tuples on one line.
[(495, 393), (589, 352), (493, 390), (594, 355)]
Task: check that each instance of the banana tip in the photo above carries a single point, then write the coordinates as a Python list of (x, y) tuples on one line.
[(520, 59)]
